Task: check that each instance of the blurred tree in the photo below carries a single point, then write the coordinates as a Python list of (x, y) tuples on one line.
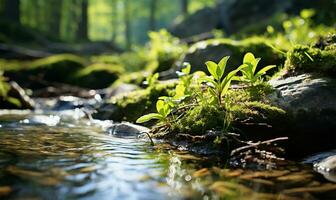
[(82, 29), (114, 23), (184, 7), (152, 13), (55, 21), (12, 11), (128, 39)]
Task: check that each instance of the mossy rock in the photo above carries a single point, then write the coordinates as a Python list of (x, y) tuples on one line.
[(130, 106), (135, 78), (57, 68), (312, 59), (97, 76), (215, 49)]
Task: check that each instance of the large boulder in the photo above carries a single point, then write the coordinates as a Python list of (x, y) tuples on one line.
[(216, 49), (202, 21), (229, 15), (310, 120)]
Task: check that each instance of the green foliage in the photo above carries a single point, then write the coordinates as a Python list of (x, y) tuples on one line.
[(249, 70), (298, 30), (219, 85), (163, 110), (151, 80), (164, 50), (132, 105)]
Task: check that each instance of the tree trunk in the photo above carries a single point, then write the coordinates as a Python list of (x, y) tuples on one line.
[(114, 20), (82, 30), (184, 7), (127, 25), (55, 26), (152, 19), (12, 10)]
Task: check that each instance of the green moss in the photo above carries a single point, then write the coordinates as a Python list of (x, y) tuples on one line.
[(131, 106), (310, 59), (131, 78), (248, 94), (251, 102), (58, 68), (200, 119), (258, 111)]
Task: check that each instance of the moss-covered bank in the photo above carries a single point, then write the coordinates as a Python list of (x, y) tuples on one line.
[(320, 58)]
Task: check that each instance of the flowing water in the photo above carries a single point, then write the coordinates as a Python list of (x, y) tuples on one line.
[(62, 156)]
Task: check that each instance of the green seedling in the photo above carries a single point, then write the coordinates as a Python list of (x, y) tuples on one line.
[(249, 67), (219, 85), (163, 110)]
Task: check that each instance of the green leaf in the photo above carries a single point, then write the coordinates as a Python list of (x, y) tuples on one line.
[(149, 117), (212, 68), (209, 80), (225, 85), (160, 107), (255, 64), (248, 58), (187, 68), (264, 70), (14, 101), (179, 91), (166, 110), (221, 66)]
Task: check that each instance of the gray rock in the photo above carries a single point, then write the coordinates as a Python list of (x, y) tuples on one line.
[(328, 164), (310, 120), (306, 93), (125, 129), (327, 168)]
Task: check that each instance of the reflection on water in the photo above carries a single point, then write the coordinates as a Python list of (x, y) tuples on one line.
[(47, 157)]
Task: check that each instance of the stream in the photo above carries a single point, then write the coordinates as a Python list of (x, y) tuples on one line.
[(62, 155)]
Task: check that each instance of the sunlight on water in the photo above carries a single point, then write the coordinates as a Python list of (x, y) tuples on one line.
[(52, 157)]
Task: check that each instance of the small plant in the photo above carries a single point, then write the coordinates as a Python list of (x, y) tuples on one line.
[(151, 80), (182, 89), (163, 110), (249, 67), (219, 85)]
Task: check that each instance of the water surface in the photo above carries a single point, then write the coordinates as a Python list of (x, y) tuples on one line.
[(61, 156)]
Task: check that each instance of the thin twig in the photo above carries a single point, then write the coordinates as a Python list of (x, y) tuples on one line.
[(254, 145)]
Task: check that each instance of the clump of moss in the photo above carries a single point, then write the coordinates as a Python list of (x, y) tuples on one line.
[(58, 68), (131, 106), (310, 59), (200, 119), (131, 78), (257, 111)]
